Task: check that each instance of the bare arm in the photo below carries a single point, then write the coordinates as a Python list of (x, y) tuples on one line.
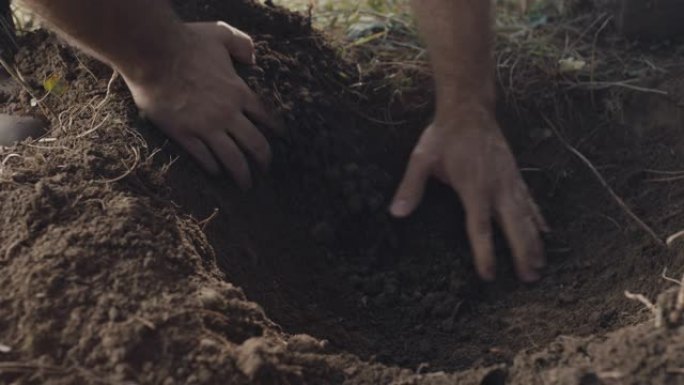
[(135, 36), (464, 146), (181, 75), (458, 36)]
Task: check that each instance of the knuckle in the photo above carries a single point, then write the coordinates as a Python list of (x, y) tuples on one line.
[(261, 147), (249, 42), (480, 228)]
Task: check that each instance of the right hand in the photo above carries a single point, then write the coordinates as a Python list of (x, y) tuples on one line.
[(198, 99), (465, 149)]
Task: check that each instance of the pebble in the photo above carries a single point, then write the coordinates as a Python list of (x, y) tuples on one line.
[(113, 314), (211, 299)]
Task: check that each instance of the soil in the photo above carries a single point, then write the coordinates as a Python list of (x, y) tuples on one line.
[(123, 263)]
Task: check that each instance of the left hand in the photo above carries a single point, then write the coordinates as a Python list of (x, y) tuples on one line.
[(196, 97), (465, 149)]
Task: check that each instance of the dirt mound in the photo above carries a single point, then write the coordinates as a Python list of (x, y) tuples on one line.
[(110, 277)]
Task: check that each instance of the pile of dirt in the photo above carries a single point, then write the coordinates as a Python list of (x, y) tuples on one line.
[(123, 264)]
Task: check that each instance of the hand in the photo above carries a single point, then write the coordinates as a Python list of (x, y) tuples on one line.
[(466, 150), (198, 100)]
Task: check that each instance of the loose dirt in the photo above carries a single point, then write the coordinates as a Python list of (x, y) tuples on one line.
[(121, 262)]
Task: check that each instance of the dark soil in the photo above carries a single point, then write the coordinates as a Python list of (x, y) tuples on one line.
[(120, 265)]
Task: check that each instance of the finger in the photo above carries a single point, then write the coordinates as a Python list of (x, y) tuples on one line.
[(239, 44), (479, 227), (256, 111), (537, 215), (201, 154), (518, 221), (412, 187), (231, 158), (251, 139)]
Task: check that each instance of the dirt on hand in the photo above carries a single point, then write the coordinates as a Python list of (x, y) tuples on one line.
[(122, 263)]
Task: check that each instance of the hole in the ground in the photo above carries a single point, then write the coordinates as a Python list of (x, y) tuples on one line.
[(315, 247), (405, 293)]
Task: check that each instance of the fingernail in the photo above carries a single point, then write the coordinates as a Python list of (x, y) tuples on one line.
[(530, 276), (539, 263), (489, 274), (400, 208)]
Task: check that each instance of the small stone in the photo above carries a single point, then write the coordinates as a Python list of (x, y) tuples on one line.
[(121, 370), (113, 314), (204, 375), (208, 343), (306, 344), (211, 299), (148, 262)]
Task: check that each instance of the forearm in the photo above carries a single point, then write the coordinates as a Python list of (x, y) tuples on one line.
[(134, 36), (458, 34)]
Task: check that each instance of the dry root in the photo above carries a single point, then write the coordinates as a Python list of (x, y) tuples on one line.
[(669, 308)]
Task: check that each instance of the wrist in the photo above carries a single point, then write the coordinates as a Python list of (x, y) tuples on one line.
[(149, 61), (470, 108)]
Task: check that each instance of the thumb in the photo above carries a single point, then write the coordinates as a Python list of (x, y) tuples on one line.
[(239, 44), (411, 190)]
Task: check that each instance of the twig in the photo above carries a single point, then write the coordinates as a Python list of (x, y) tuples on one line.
[(665, 180), (669, 279), (598, 85), (649, 305), (20, 367), (129, 170), (679, 305), (665, 172), (15, 75), (97, 127), (146, 323), (205, 222), (673, 238), (593, 56), (605, 184), (115, 75), (165, 168)]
